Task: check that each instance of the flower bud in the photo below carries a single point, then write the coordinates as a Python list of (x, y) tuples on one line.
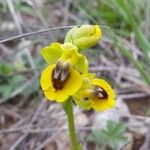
[(85, 36)]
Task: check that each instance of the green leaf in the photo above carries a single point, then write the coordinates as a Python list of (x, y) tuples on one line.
[(17, 79), (32, 88), (6, 69), (139, 65), (126, 12), (112, 135), (24, 7), (97, 136), (115, 128), (5, 90)]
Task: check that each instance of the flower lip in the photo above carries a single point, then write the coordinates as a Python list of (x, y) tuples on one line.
[(60, 75), (100, 93)]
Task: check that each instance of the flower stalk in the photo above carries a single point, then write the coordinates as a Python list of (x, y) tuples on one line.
[(67, 105)]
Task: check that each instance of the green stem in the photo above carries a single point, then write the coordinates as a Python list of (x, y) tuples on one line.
[(69, 112)]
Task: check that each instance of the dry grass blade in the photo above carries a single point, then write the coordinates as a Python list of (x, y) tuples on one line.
[(34, 33)]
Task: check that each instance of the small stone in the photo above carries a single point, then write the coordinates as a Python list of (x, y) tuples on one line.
[(81, 120)]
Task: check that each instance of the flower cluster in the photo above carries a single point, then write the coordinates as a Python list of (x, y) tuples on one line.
[(67, 71)]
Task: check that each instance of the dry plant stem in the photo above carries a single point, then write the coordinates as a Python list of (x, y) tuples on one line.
[(70, 117), (34, 118), (14, 15), (34, 33)]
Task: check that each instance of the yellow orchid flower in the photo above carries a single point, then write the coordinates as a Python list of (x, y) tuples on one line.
[(65, 52), (85, 36), (60, 81), (66, 77), (95, 93)]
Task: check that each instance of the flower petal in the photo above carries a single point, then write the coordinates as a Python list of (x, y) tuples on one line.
[(50, 93), (68, 37), (84, 36), (70, 87), (86, 105), (73, 83), (52, 53), (101, 105), (82, 64), (46, 77), (102, 83)]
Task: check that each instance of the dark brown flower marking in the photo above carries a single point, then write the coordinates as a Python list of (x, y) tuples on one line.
[(60, 75), (100, 92)]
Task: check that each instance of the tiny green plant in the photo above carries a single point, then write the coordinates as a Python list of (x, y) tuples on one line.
[(112, 136), (8, 82), (67, 79)]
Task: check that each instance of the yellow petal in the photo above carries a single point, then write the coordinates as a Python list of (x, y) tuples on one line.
[(52, 52), (73, 83), (50, 93), (69, 46), (46, 77), (106, 86), (98, 32), (100, 82), (111, 103), (101, 105), (70, 87)]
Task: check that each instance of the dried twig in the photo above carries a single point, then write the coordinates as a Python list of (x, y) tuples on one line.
[(34, 33), (134, 95), (49, 139), (13, 147), (66, 11), (38, 13), (146, 145), (26, 129), (38, 111)]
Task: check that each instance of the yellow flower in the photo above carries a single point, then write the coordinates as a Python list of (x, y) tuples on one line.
[(96, 94), (60, 81), (65, 52), (104, 97), (85, 36)]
